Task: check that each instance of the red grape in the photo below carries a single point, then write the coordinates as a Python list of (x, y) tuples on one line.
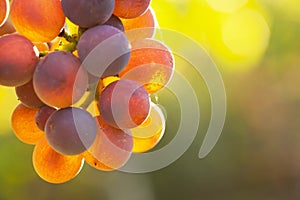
[(42, 116), (27, 95), (58, 79), (124, 104), (17, 60), (130, 8)]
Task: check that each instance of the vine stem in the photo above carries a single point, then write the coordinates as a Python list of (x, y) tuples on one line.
[(91, 96)]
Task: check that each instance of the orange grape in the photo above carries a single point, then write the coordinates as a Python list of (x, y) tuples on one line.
[(111, 148), (4, 11), (24, 126), (41, 46), (147, 135), (52, 166), (130, 8), (94, 162), (153, 60), (38, 20), (140, 27)]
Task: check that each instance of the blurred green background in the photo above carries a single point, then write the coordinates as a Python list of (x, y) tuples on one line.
[(256, 47)]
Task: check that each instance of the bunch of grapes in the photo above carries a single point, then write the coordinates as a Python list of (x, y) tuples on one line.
[(64, 57)]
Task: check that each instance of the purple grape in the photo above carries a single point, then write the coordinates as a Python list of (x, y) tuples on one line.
[(104, 50), (89, 13), (71, 131), (115, 22)]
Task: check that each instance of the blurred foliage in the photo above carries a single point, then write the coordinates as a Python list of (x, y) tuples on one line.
[(256, 46)]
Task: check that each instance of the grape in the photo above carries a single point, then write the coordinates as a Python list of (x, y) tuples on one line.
[(7, 28), (17, 60), (124, 104), (140, 27), (152, 59), (41, 46), (111, 149), (147, 135), (52, 166), (23, 124), (130, 8), (94, 162), (58, 79), (115, 22), (42, 116), (70, 131), (27, 95), (109, 50), (88, 13), (38, 20), (4, 11)]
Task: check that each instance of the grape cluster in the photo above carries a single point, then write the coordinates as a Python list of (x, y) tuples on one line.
[(56, 53)]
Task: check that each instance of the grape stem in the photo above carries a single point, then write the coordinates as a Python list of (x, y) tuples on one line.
[(91, 96), (69, 38)]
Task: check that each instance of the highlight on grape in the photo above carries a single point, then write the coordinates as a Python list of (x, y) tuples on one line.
[(98, 53)]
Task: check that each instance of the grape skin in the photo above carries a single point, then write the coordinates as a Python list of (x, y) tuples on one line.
[(152, 59), (24, 126), (124, 104), (43, 115), (140, 27), (147, 135), (70, 131), (87, 14), (52, 166), (59, 81), (131, 8), (17, 60), (4, 11), (115, 22), (112, 147), (27, 95), (38, 20), (108, 50)]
